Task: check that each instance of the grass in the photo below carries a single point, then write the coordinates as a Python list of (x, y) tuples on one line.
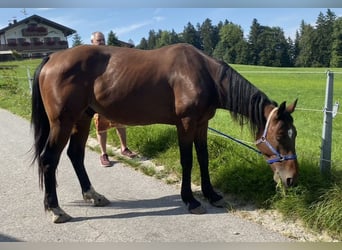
[(235, 169)]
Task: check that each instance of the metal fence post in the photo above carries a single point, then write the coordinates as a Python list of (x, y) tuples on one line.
[(325, 161), (29, 79)]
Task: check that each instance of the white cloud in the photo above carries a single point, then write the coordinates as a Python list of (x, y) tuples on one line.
[(158, 18), (126, 29), (135, 26), (44, 9)]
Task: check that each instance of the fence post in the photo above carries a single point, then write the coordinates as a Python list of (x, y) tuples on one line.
[(325, 164), (29, 79)]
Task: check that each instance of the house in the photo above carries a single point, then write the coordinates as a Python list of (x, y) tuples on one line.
[(34, 36), (124, 44)]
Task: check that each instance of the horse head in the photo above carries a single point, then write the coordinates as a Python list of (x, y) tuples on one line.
[(277, 142)]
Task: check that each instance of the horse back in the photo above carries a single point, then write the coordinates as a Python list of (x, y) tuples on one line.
[(132, 86)]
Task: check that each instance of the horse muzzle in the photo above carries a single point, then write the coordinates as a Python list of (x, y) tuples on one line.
[(286, 172)]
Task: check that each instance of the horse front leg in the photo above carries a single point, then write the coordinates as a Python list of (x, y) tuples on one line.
[(185, 147), (76, 153), (201, 147)]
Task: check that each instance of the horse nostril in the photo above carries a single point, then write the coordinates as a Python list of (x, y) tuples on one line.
[(289, 182)]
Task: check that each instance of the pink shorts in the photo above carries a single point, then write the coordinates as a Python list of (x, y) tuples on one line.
[(102, 124)]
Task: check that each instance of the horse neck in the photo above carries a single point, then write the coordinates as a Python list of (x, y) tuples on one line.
[(246, 102)]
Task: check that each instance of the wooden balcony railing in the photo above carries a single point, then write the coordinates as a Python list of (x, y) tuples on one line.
[(34, 47)]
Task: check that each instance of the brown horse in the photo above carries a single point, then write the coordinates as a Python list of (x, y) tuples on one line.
[(176, 85)]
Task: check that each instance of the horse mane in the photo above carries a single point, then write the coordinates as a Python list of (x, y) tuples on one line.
[(245, 102)]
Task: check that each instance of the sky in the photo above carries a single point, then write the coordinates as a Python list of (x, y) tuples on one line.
[(135, 23)]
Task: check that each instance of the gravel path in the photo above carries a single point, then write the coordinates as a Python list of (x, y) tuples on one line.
[(142, 209)]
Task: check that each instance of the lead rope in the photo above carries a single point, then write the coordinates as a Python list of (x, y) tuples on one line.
[(235, 140), (279, 157)]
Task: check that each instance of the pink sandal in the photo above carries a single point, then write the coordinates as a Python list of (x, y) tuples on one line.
[(128, 153)]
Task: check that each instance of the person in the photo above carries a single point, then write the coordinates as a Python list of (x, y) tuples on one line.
[(102, 124)]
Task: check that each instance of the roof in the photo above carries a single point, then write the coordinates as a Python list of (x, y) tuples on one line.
[(124, 44), (67, 31)]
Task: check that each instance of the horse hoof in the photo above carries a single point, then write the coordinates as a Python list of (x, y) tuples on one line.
[(98, 199), (220, 203), (101, 201), (198, 210), (59, 216)]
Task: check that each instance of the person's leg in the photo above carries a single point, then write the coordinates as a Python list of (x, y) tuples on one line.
[(101, 125), (102, 139), (123, 143), (122, 137)]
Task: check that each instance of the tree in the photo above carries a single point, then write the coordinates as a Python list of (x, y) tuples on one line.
[(191, 35), (231, 48), (253, 42), (306, 45), (76, 40), (323, 38), (294, 48), (152, 40), (268, 46), (208, 36), (164, 39), (336, 53), (112, 39), (143, 44)]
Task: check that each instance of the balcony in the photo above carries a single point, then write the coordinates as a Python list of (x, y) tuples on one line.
[(34, 31), (36, 46)]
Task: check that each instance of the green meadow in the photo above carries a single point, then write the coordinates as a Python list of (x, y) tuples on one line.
[(236, 170)]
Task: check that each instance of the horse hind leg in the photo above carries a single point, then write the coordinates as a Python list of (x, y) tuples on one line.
[(59, 215), (48, 163), (50, 200), (76, 152)]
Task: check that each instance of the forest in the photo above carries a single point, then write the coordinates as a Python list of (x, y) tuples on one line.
[(318, 45)]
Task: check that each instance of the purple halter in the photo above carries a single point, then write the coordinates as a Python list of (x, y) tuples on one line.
[(279, 157)]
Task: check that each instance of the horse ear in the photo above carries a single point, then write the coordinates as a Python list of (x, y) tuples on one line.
[(292, 107), (281, 109)]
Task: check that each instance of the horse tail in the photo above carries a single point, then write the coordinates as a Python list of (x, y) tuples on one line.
[(39, 121)]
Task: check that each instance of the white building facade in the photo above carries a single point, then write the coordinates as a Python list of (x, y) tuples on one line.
[(34, 36)]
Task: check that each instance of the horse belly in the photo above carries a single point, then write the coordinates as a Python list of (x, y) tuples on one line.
[(142, 110)]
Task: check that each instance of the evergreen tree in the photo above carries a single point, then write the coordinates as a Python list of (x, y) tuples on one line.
[(268, 46), (294, 49), (112, 39), (208, 36), (143, 44), (191, 35), (306, 45), (291, 51), (254, 45), (152, 40), (323, 38), (174, 37), (76, 40), (336, 54)]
